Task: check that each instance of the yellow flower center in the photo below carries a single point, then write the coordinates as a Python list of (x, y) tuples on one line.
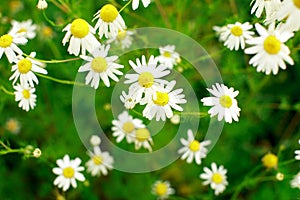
[(162, 99), (270, 160), (68, 172), (236, 31), (194, 146), (272, 45), (99, 64), (97, 160), (167, 54), (161, 189), (146, 79), (226, 101), (22, 30), (47, 31), (24, 66), (142, 134), (108, 13), (217, 178), (121, 35), (5, 40), (128, 127), (26, 94), (297, 3), (79, 28)]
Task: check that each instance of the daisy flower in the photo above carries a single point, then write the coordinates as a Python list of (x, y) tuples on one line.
[(24, 69), (135, 3), (269, 49), (125, 127), (168, 56), (193, 148), (147, 77), (100, 66), (124, 38), (81, 34), (13, 126), (290, 9), (270, 160), (162, 189), (100, 162), (128, 99), (26, 97), (297, 152), (216, 177), (236, 34), (143, 139), (8, 45), (42, 4), (224, 103), (68, 172), (295, 182), (109, 21), (24, 27), (163, 100)]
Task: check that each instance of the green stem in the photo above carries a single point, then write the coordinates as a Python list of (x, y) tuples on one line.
[(197, 114), (60, 81), (53, 61), (6, 91), (125, 6)]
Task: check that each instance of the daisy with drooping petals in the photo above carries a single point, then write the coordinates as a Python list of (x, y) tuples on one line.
[(163, 100), (295, 182), (216, 177), (24, 69), (290, 9), (269, 49), (224, 103), (124, 38), (100, 162), (109, 21), (143, 139), (24, 27), (42, 4), (147, 77), (125, 127), (26, 97), (168, 56), (80, 35), (297, 152), (162, 189), (193, 148), (128, 99), (68, 172), (100, 66), (234, 37)]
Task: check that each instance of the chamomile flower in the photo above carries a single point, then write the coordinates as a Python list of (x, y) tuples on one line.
[(24, 27), (100, 67), (128, 99), (295, 182), (124, 38), (162, 189), (125, 127), (80, 35), (215, 177), (8, 45), (163, 100), (100, 162), (269, 49), (168, 56), (109, 21), (26, 97), (224, 103), (42, 4), (143, 139), (236, 34), (68, 172), (193, 149), (13, 126), (135, 3), (147, 77), (25, 68), (297, 152), (290, 9)]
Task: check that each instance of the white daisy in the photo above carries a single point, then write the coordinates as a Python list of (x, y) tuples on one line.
[(42, 4), (124, 38), (100, 162), (295, 182), (168, 56), (162, 189), (269, 49), (163, 100), (224, 103), (109, 21), (26, 97), (68, 172), (147, 77), (24, 27), (236, 34), (81, 34), (128, 99), (290, 9), (24, 69), (193, 148), (125, 127), (100, 66), (135, 3), (8, 45), (143, 139), (216, 177), (297, 152)]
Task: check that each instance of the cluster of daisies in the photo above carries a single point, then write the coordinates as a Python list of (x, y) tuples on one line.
[(280, 22)]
